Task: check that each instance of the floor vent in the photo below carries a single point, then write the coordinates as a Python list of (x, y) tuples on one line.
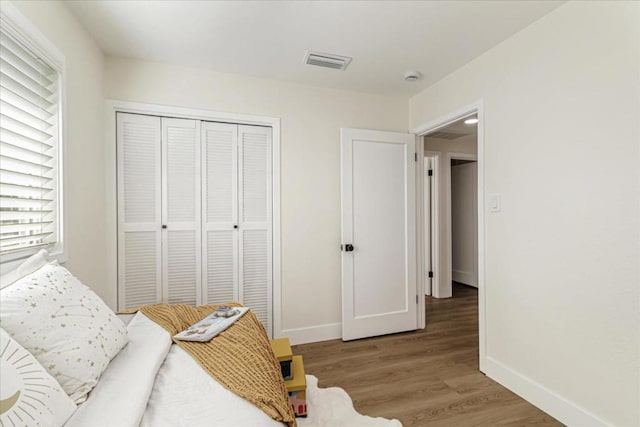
[(327, 60)]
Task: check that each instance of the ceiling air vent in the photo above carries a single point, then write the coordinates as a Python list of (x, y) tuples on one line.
[(327, 60), (445, 135)]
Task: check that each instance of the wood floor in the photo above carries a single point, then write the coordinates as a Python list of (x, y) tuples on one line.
[(428, 377)]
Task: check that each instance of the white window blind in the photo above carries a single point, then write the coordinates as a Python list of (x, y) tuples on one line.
[(29, 138)]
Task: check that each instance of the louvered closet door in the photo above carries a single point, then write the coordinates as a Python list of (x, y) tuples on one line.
[(139, 214), (181, 249), (255, 239), (219, 212)]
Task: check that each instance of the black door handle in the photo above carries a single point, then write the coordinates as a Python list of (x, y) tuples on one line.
[(348, 247)]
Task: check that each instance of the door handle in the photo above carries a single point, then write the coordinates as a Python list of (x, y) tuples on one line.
[(347, 248)]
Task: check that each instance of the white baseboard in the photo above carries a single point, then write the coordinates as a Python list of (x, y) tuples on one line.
[(464, 277), (555, 405), (329, 331)]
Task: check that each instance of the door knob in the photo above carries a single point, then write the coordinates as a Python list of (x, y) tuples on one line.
[(348, 247)]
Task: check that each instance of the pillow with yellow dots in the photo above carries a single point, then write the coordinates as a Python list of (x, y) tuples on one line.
[(65, 325), (29, 396)]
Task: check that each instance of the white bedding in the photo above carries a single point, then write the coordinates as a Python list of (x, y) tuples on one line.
[(152, 383), (184, 395)]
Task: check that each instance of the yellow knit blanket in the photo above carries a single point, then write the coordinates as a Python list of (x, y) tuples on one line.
[(240, 358)]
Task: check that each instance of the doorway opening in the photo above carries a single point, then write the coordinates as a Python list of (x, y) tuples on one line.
[(432, 234), (464, 221), (450, 207), (452, 191)]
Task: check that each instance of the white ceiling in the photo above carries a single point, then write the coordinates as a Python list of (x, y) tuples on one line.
[(269, 38)]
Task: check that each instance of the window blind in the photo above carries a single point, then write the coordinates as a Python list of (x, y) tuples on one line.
[(29, 138)]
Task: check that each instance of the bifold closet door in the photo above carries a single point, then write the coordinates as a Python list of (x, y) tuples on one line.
[(194, 213), (181, 250), (255, 238), (236, 212), (139, 210), (219, 212)]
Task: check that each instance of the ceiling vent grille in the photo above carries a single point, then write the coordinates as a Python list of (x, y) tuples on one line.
[(445, 135), (327, 60)]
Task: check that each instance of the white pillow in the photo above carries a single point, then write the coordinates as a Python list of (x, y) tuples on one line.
[(28, 394), (31, 264), (66, 326)]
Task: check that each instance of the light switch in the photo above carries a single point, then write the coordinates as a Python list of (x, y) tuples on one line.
[(495, 203)]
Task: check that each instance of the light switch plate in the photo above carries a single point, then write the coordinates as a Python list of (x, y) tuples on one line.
[(495, 203)]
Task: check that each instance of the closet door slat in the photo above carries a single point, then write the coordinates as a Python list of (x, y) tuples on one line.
[(219, 212), (139, 210), (140, 269), (255, 229), (221, 274), (181, 211)]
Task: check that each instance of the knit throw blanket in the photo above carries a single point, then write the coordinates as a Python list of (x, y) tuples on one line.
[(239, 358)]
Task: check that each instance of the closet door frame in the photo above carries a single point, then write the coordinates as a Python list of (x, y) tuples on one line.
[(111, 108)]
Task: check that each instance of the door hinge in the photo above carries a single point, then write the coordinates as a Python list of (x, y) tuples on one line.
[(415, 155), (430, 172), (416, 299), (431, 275)]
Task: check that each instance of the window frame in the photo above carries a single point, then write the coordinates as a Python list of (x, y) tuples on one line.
[(22, 29)]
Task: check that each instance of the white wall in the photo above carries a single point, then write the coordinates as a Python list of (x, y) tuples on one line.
[(467, 144), (83, 142), (562, 138), (311, 119)]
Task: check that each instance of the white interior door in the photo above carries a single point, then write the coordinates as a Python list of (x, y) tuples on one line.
[(139, 210), (181, 211), (379, 294), (464, 223), (428, 218)]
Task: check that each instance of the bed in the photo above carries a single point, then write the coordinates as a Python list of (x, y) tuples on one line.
[(165, 387), (67, 359)]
